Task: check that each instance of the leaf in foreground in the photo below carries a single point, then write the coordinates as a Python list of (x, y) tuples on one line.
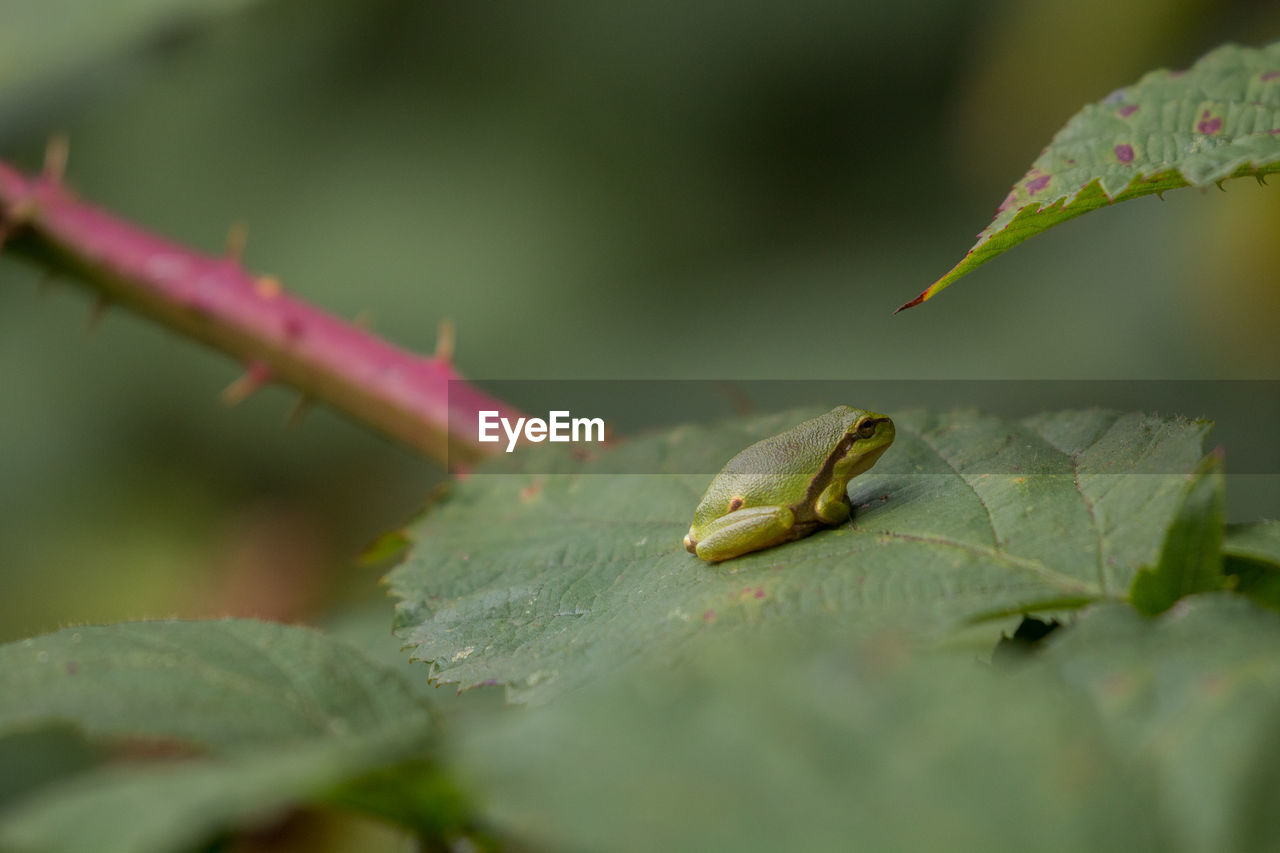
[(267, 716), (1127, 734), (219, 684), (1219, 119), (1193, 698), (155, 808), (542, 582)]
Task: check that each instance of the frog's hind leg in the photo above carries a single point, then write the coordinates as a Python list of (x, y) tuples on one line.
[(745, 530), (832, 506)]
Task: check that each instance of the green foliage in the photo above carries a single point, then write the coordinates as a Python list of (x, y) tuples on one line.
[(544, 581), (1257, 542), (264, 716), (1125, 734), (138, 808), (1252, 558), (1191, 560), (1219, 119), (225, 684)]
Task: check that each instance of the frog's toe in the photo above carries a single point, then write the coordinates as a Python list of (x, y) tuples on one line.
[(690, 544), (832, 513)]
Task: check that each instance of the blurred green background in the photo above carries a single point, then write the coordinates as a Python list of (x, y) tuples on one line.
[(659, 190)]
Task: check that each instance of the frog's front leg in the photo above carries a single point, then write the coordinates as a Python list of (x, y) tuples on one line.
[(832, 505), (744, 530)]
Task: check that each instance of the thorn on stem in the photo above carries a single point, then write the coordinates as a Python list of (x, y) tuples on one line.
[(56, 151), (1261, 178), (17, 216), (96, 313), (1220, 186), (257, 375), (1160, 194), (237, 238), (268, 287), (446, 336)]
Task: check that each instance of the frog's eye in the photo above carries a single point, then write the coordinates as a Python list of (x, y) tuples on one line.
[(866, 428), (736, 502)]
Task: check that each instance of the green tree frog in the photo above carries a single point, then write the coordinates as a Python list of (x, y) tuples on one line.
[(787, 486)]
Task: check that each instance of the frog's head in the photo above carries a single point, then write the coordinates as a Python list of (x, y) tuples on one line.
[(867, 436)]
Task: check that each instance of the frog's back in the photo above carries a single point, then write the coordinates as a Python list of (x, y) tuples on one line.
[(772, 470), (800, 451)]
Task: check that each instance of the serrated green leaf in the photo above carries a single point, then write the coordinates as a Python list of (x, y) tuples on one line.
[(1191, 559), (1219, 119), (268, 716), (541, 582), (1126, 733)]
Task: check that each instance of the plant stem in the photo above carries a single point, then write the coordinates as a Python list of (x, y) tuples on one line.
[(418, 400)]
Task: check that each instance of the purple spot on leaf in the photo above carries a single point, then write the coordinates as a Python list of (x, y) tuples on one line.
[(1270, 75), (1124, 153), (1128, 110), (1036, 184), (1209, 125)]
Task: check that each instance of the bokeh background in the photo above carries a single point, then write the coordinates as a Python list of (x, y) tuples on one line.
[(664, 190)]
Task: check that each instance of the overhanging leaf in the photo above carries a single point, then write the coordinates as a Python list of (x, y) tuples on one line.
[(542, 582), (1219, 119), (1191, 559)]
